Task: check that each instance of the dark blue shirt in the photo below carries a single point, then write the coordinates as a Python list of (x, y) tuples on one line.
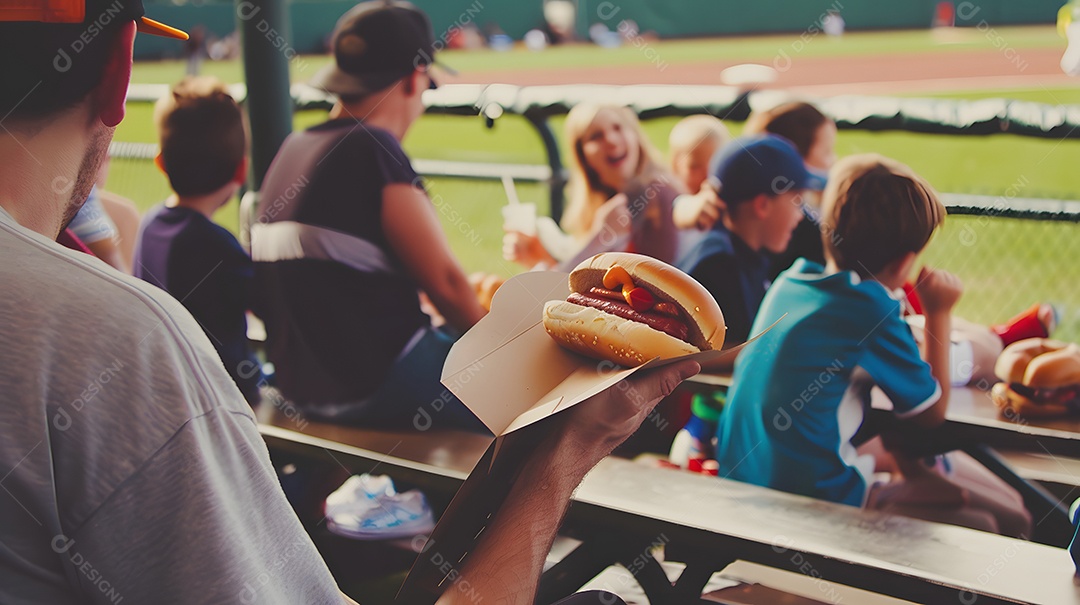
[(338, 304), (203, 266), (734, 274)]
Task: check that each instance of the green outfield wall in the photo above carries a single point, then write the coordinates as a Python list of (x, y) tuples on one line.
[(312, 20)]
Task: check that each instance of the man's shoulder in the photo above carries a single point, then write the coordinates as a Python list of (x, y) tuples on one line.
[(74, 306), (349, 133)]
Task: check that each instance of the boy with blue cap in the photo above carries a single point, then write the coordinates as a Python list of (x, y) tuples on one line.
[(761, 180)]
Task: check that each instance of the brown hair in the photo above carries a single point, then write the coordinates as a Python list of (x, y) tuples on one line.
[(874, 211), (797, 122), (201, 129)]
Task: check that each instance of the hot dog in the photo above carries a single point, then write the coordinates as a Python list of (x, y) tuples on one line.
[(628, 309), (1040, 377)]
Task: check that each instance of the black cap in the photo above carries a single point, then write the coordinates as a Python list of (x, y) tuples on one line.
[(376, 44)]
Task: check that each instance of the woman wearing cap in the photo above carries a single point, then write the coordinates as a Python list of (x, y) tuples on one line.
[(620, 194)]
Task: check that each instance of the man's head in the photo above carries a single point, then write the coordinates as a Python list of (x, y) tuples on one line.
[(762, 179), (59, 58), (692, 144), (380, 47), (877, 215), (55, 51), (201, 131)]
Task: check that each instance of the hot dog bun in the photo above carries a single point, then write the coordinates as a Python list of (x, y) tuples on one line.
[(1013, 362), (1040, 377), (602, 335)]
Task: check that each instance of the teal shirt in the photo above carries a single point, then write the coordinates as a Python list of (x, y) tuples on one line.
[(792, 412)]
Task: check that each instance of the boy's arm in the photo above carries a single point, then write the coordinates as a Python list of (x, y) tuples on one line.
[(506, 565), (939, 291)]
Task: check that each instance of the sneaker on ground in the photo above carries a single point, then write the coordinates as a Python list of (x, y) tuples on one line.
[(384, 517), (357, 490)]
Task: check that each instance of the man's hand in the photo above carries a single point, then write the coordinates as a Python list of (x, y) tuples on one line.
[(505, 565), (938, 290), (595, 426)]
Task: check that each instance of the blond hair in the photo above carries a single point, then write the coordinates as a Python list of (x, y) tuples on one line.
[(874, 211), (587, 193), (692, 131), (201, 133)]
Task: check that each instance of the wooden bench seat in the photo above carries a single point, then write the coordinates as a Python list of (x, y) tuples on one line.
[(623, 508), (714, 522), (434, 460)]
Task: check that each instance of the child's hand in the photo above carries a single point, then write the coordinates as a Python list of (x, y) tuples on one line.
[(699, 211), (938, 290)]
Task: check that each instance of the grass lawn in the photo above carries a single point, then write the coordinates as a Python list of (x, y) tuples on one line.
[(748, 48), (986, 253)]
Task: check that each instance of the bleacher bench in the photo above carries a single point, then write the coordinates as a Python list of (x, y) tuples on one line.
[(622, 508)]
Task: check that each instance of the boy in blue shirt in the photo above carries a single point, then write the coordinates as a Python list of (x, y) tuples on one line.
[(180, 249), (799, 390)]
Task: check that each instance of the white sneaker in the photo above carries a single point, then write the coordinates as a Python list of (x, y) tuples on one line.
[(358, 489), (385, 518)]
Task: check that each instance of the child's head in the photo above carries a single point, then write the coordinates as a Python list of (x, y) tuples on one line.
[(876, 213), (812, 132), (201, 131), (692, 143), (762, 180)]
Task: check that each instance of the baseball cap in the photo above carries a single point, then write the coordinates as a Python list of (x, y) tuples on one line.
[(79, 11), (376, 44), (752, 165)]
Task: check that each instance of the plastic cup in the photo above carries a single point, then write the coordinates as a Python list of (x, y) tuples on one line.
[(520, 218)]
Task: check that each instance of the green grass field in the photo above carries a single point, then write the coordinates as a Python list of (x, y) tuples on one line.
[(746, 48), (1029, 257)]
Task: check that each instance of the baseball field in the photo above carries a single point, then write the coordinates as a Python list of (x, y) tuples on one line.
[(1006, 264)]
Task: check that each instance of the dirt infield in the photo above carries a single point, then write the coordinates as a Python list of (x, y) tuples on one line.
[(828, 76)]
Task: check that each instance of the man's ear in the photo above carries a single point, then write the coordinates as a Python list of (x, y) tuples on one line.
[(159, 161), (241, 171), (415, 83), (112, 90)]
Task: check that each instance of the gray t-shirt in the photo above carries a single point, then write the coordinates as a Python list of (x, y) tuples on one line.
[(131, 469)]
